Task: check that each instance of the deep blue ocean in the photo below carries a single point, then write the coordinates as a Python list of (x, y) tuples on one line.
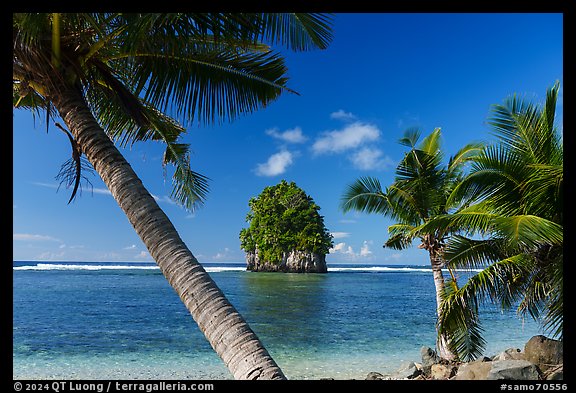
[(81, 320)]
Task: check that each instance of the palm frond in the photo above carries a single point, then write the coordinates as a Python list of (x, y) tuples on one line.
[(128, 119), (459, 321), (527, 129), (399, 237), (30, 28), (365, 195), (398, 242), (406, 205), (410, 137), (29, 99), (139, 72), (549, 112), (544, 190), (72, 171), (210, 85), (396, 229), (418, 164), (473, 220), (503, 118), (190, 188), (518, 186), (467, 153), (207, 68), (298, 31), (459, 310), (528, 232), (542, 289), (420, 175), (553, 321), (497, 177), (116, 106), (461, 252), (509, 280), (431, 144)]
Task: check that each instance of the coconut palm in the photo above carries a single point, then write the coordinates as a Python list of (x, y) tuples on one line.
[(124, 78), (510, 225), (419, 193)]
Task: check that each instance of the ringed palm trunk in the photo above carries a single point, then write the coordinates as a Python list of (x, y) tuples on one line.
[(442, 341), (225, 329)]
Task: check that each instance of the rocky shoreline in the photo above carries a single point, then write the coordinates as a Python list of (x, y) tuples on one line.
[(541, 359), (292, 262)]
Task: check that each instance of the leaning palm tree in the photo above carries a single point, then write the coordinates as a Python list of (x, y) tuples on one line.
[(123, 78), (419, 193), (510, 225)]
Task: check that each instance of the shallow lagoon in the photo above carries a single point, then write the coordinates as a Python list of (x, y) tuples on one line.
[(124, 321)]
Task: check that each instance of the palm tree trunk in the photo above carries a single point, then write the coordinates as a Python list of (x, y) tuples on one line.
[(225, 329), (442, 341)]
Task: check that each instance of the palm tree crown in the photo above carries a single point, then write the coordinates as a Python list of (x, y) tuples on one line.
[(419, 193), (509, 223), (140, 72)]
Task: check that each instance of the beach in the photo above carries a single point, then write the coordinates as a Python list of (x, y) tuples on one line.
[(79, 320)]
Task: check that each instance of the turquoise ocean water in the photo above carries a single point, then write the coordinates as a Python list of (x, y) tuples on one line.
[(79, 320)]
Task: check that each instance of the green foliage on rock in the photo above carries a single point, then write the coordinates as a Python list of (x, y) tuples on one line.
[(284, 218)]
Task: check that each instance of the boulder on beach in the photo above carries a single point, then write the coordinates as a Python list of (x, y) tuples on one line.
[(374, 376), (544, 351), (513, 370), (510, 354), (473, 371), (542, 359), (442, 371), (407, 370), (429, 357)]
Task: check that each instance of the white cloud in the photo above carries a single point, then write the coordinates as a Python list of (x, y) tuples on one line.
[(342, 248), (340, 114), (337, 247), (49, 185), (34, 238), (93, 190), (164, 198), (276, 164), (350, 137), (348, 252), (293, 135), (130, 247), (369, 158), (365, 249), (104, 191), (340, 235)]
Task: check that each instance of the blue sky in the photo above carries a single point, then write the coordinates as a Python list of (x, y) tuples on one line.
[(382, 74)]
